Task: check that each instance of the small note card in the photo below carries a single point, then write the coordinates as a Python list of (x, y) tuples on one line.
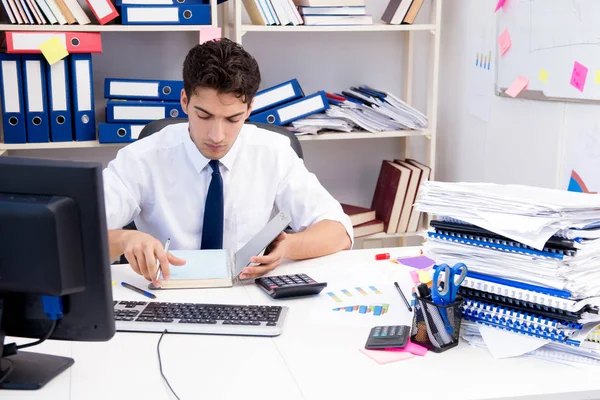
[(517, 87), (579, 76), (504, 42), (207, 34), (500, 5), (54, 50), (543, 75)]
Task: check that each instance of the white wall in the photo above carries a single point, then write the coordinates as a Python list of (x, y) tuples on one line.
[(320, 61), (523, 140)]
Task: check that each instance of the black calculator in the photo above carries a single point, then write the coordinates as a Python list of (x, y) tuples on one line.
[(281, 286), (383, 337)]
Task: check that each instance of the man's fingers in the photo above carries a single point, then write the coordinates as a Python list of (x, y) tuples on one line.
[(164, 262), (150, 264), (130, 256), (268, 259), (141, 262), (176, 260), (256, 271)]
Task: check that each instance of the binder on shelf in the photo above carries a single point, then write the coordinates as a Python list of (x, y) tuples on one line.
[(139, 89), (59, 101), (142, 111), (36, 102), (276, 95), (190, 14), (118, 133), (103, 10), (82, 87), (288, 112), (75, 42), (13, 110)]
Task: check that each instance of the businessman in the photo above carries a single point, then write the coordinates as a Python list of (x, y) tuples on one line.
[(213, 182)]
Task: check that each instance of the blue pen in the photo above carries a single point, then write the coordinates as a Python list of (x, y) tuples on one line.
[(140, 291)]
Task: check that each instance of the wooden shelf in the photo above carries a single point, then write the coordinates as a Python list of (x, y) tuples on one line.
[(342, 28), (103, 28), (57, 145), (362, 135)]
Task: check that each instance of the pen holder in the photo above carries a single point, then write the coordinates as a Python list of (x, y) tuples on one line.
[(436, 326)]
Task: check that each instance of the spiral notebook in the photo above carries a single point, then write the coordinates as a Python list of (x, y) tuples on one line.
[(524, 323)]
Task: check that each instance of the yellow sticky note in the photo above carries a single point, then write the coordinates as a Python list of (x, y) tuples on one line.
[(54, 50), (543, 75), (597, 79), (114, 283), (424, 276)]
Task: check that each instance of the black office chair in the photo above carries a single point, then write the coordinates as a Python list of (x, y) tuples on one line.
[(159, 124)]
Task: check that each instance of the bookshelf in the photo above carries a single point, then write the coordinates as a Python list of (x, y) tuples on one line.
[(235, 29), (10, 149)]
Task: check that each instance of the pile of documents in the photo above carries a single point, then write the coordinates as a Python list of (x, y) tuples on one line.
[(365, 108), (534, 265)]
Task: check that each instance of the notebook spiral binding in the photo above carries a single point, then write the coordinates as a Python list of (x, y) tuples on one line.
[(515, 321), (521, 305), (507, 243), (491, 244)]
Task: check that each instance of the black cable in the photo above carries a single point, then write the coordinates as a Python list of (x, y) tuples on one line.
[(160, 364), (43, 339)]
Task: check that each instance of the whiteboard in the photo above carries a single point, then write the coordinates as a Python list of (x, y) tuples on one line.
[(551, 35)]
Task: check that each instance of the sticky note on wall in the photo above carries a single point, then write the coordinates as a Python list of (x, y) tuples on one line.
[(579, 76), (543, 75), (207, 34), (517, 87), (504, 42), (54, 50), (500, 5)]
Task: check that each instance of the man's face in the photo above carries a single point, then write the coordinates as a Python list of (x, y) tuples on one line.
[(215, 120)]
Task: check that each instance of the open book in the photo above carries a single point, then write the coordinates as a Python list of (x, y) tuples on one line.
[(219, 268)]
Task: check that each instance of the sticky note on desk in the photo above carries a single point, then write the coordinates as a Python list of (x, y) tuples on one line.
[(517, 87), (504, 42), (420, 262), (543, 75), (579, 76), (386, 357), (54, 50)]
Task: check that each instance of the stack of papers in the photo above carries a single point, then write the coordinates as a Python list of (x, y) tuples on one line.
[(321, 122), (533, 256)]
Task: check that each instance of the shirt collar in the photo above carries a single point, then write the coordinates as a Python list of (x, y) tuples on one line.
[(200, 162)]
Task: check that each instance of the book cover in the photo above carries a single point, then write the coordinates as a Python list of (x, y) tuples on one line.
[(358, 215), (368, 228), (389, 195), (411, 194)]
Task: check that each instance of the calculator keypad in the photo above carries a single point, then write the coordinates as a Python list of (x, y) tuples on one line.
[(290, 285)]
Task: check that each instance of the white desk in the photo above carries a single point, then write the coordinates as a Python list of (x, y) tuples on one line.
[(308, 361)]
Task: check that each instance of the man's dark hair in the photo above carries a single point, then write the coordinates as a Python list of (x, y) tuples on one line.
[(222, 65)]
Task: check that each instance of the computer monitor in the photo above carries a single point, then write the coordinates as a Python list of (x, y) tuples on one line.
[(54, 263)]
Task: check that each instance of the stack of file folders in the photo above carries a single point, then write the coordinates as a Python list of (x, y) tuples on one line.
[(534, 262), (364, 108), (165, 12), (286, 102), (132, 103), (43, 102)]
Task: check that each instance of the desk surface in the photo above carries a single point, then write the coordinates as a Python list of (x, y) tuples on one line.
[(316, 357)]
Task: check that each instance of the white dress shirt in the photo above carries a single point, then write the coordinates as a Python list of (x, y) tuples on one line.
[(161, 183)]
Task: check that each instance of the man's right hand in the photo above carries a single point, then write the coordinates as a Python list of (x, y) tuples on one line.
[(142, 251)]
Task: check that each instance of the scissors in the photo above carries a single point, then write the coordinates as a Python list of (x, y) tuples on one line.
[(452, 277)]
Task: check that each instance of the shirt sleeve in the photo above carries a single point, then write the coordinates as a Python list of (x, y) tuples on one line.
[(301, 194), (122, 189)]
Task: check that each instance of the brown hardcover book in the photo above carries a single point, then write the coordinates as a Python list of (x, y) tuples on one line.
[(413, 11), (358, 215), (62, 6), (411, 194), (368, 228), (415, 216), (389, 195)]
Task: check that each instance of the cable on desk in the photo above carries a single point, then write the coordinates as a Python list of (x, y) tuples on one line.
[(160, 365), (42, 339)]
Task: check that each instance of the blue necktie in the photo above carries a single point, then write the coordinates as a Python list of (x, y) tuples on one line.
[(212, 229)]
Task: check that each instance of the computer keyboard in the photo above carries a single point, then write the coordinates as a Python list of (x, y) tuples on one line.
[(216, 319)]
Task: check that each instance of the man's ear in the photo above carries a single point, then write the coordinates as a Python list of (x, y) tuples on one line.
[(184, 100), (250, 107)]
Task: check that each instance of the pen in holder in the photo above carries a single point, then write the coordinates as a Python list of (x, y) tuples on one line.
[(436, 326)]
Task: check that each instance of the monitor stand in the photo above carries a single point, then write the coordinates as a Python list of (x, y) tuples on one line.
[(29, 371)]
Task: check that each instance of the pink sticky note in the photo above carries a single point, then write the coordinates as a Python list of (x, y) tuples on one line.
[(504, 42), (207, 34), (385, 357), (500, 5), (579, 76), (517, 86), (414, 274)]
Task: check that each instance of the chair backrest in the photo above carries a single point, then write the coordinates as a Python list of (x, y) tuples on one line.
[(159, 124)]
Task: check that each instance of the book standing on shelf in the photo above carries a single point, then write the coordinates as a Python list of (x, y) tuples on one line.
[(401, 11)]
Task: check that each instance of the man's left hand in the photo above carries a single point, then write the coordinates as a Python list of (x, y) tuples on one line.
[(269, 262)]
